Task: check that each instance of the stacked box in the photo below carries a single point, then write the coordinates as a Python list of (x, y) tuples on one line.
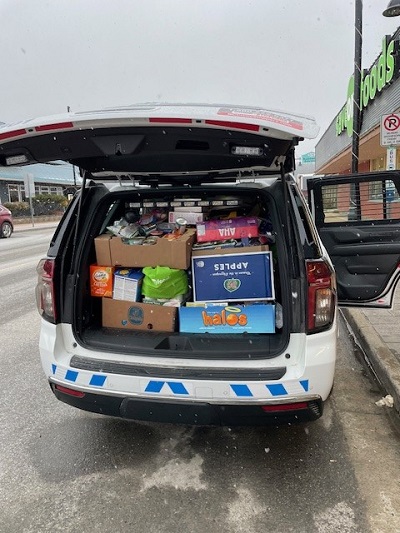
[(127, 284), (134, 315), (257, 318), (174, 253), (101, 280), (231, 228), (233, 276)]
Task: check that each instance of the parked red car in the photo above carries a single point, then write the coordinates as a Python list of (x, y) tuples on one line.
[(6, 222)]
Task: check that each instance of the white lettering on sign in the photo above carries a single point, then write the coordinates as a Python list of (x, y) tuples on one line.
[(230, 266), (227, 232)]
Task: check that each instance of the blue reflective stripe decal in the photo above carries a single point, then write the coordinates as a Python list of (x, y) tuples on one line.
[(97, 380), (241, 390), (71, 375), (177, 388), (154, 386), (277, 389), (304, 384), (211, 389)]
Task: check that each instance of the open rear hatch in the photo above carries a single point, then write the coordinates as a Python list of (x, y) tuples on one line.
[(182, 199)]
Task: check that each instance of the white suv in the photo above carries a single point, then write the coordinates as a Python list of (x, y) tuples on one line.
[(187, 281)]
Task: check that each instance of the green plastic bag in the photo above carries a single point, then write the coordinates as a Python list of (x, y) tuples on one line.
[(164, 282)]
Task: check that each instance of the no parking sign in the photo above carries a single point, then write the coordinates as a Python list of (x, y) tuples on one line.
[(390, 130)]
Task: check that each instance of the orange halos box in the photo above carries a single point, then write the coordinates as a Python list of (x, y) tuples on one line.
[(101, 280)]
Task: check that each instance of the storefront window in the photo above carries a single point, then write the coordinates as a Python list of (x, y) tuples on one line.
[(372, 200), (377, 189), (14, 192), (329, 197), (378, 164)]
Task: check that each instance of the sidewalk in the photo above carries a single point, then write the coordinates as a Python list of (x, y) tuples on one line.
[(40, 222), (377, 332), (37, 225)]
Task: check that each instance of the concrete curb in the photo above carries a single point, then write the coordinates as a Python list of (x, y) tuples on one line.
[(385, 365)]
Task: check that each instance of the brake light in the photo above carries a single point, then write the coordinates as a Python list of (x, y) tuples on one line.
[(52, 127), (321, 296), (45, 290), (233, 125)]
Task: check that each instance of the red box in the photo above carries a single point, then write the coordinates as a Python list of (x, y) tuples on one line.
[(231, 228)]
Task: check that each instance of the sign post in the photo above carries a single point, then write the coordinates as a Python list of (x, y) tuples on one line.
[(29, 186)]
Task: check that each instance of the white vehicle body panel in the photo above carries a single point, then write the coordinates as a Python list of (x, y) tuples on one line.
[(310, 371)]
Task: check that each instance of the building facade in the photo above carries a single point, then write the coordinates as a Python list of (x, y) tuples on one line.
[(56, 178), (379, 98)]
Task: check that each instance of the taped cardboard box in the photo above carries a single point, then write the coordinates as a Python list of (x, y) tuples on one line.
[(172, 253), (102, 246), (137, 316)]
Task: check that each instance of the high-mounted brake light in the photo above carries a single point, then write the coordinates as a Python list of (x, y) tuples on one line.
[(11, 134), (233, 125), (45, 290), (320, 297), (52, 127), (167, 120)]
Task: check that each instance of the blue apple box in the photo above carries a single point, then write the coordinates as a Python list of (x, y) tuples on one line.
[(233, 277), (251, 318)]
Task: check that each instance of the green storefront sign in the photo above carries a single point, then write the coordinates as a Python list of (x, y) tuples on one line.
[(373, 81)]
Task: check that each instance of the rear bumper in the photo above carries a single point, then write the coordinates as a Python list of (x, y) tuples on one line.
[(195, 413)]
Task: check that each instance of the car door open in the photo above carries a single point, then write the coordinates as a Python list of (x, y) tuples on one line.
[(358, 219)]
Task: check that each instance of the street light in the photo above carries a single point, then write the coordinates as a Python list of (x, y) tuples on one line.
[(393, 9), (357, 83)]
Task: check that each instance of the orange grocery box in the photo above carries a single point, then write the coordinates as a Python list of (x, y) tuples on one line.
[(101, 280)]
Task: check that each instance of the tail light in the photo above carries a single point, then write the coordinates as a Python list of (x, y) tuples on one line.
[(321, 295), (45, 290)]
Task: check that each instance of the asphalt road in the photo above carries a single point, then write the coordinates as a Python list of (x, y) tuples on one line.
[(66, 470)]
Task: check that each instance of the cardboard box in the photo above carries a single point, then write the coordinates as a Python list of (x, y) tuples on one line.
[(127, 284), (102, 246), (101, 280), (257, 318), (231, 228), (238, 276), (172, 253), (137, 316)]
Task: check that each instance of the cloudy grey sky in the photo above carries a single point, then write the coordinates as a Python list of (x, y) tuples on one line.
[(290, 55)]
